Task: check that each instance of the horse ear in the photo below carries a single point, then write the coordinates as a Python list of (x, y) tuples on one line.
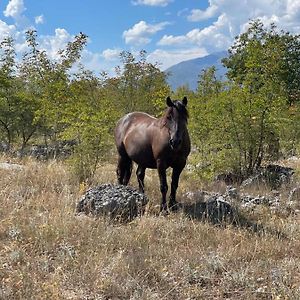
[(184, 101), (169, 102)]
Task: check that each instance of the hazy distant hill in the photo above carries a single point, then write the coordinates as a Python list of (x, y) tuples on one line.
[(187, 72)]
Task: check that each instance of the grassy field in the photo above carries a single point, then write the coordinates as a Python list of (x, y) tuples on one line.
[(47, 252)]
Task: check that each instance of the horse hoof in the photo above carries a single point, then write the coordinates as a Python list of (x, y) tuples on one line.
[(174, 207), (164, 213), (164, 210)]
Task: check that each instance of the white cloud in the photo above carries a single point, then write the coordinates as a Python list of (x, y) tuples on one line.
[(213, 38), (39, 19), (6, 30), (141, 32), (170, 40), (152, 2), (169, 58), (14, 9), (94, 62), (233, 19), (199, 15), (53, 43), (111, 54)]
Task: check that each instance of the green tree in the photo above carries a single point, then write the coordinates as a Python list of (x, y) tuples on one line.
[(239, 124), (89, 120), (141, 85), (47, 82), (261, 55), (16, 109), (265, 62), (8, 98)]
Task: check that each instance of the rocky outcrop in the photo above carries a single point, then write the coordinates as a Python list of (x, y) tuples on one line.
[(212, 207), (117, 202), (273, 176), (59, 149), (232, 196)]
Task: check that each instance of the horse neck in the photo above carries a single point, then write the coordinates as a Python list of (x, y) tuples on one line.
[(163, 120)]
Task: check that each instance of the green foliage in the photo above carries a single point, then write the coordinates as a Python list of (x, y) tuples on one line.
[(8, 98), (263, 55), (48, 82), (16, 109), (89, 120), (140, 85), (238, 125)]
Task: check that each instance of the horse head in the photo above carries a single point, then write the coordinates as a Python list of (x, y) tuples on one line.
[(176, 119)]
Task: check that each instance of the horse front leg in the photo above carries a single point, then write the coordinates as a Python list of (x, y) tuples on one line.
[(161, 168), (173, 205)]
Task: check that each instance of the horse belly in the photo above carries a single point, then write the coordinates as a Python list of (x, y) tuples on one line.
[(141, 154)]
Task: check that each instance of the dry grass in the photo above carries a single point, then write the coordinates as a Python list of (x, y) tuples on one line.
[(46, 252)]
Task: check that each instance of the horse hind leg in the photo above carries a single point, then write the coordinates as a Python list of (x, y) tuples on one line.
[(124, 169)]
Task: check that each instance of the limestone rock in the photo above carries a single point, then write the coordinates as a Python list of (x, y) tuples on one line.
[(117, 202)]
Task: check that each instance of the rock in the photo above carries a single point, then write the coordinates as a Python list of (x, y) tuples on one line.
[(59, 149), (273, 176), (232, 192), (248, 201), (294, 194), (216, 210), (4, 147), (117, 202), (9, 166), (197, 195), (229, 178)]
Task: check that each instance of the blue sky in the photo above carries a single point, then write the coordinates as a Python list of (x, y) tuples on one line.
[(169, 30)]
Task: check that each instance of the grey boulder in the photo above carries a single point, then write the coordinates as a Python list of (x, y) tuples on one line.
[(117, 202)]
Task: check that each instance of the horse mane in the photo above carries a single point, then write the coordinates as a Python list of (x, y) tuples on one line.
[(182, 109), (163, 119)]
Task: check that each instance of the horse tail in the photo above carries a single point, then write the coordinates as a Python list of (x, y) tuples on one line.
[(124, 168), (128, 171)]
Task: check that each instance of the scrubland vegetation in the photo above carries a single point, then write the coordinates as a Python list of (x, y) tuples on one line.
[(236, 125)]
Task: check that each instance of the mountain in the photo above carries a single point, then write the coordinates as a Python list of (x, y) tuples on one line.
[(187, 72)]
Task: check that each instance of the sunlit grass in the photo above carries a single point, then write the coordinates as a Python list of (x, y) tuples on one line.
[(47, 252)]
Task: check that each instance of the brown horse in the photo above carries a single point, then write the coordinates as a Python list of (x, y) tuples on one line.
[(156, 144)]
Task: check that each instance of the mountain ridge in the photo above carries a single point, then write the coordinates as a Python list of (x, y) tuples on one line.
[(187, 72)]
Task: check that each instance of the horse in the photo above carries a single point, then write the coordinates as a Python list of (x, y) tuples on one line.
[(155, 143)]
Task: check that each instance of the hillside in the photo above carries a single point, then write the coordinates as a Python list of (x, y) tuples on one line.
[(187, 72)]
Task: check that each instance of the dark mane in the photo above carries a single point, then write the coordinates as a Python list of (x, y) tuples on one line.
[(163, 119), (182, 109)]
